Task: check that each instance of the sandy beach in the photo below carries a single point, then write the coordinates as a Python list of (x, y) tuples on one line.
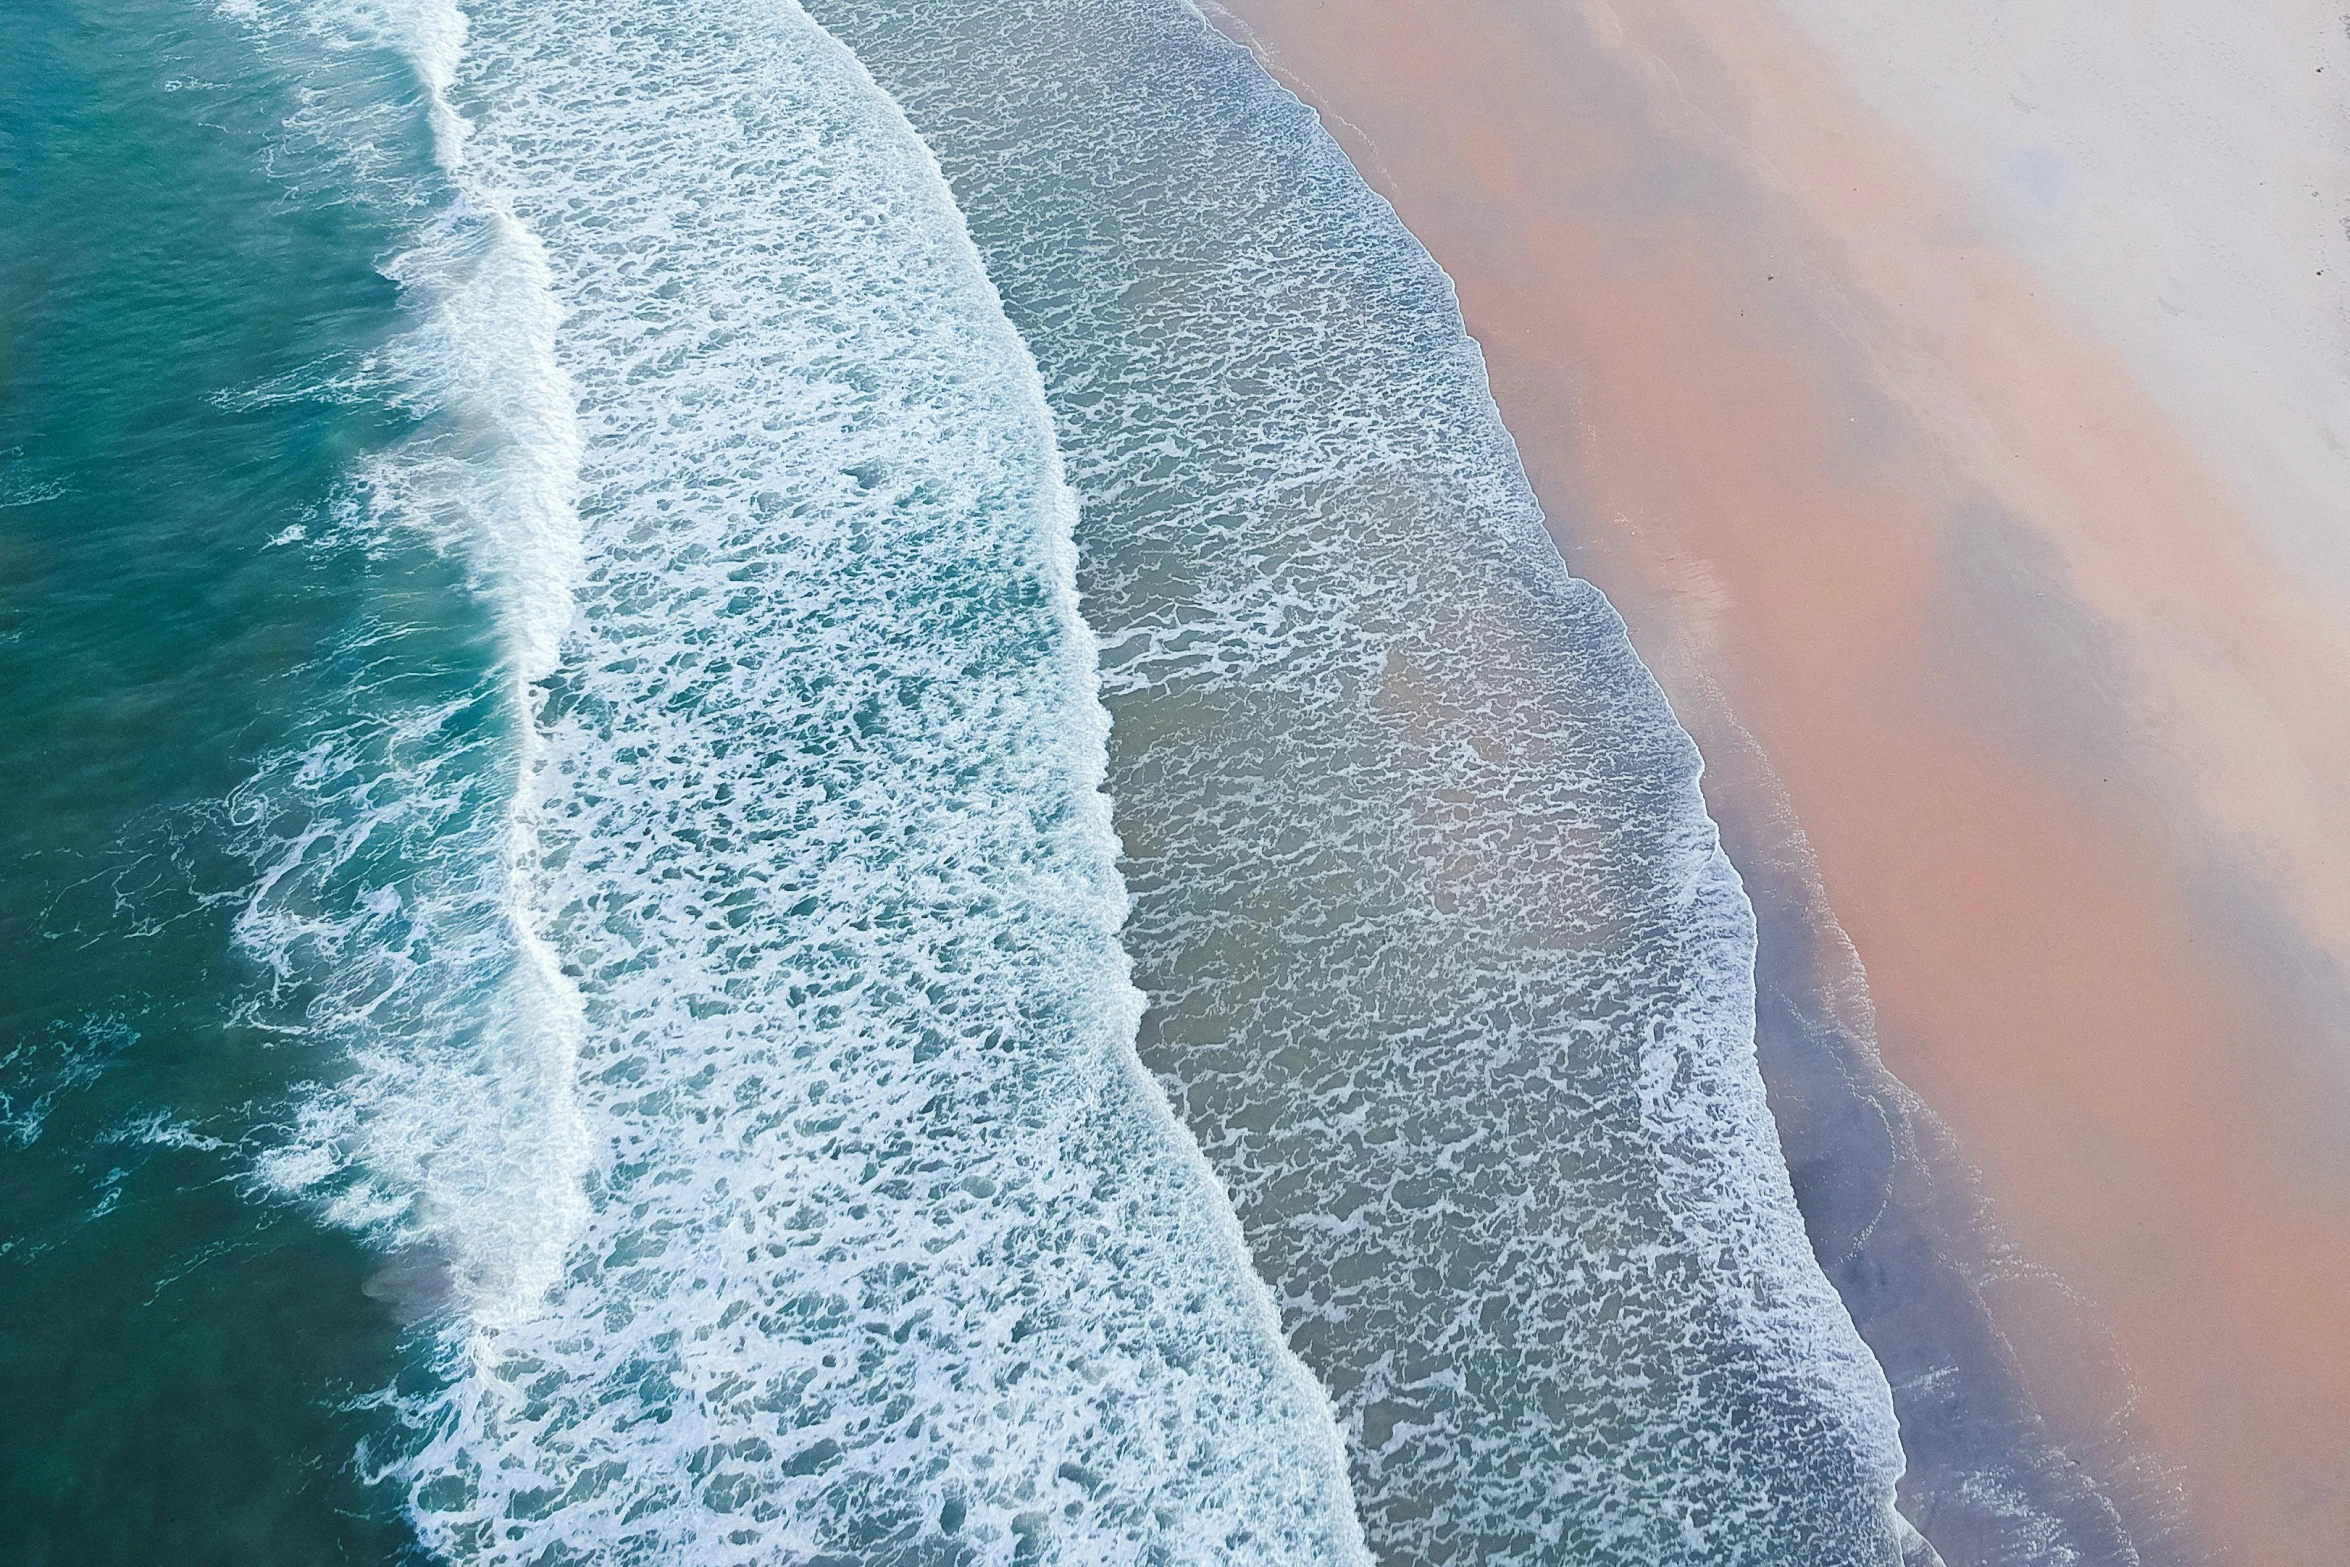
[(2021, 669)]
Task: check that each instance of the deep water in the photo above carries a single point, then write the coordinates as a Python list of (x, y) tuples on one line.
[(174, 1346)]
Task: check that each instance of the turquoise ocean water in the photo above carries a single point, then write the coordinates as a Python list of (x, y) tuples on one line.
[(813, 788), (176, 1351)]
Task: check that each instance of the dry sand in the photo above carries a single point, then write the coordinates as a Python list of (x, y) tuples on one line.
[(2049, 702)]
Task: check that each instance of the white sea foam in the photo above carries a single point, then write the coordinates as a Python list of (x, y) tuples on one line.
[(889, 1250), (394, 907)]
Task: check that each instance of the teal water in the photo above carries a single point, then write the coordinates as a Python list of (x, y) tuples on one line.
[(173, 1347), (576, 910)]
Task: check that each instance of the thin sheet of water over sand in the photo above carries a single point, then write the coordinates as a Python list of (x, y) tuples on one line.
[(2016, 658)]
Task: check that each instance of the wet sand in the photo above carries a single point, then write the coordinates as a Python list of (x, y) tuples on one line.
[(1995, 676)]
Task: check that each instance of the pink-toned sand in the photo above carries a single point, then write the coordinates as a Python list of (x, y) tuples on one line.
[(2072, 747)]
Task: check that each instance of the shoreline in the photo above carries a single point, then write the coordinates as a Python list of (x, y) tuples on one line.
[(1900, 1225), (1989, 673)]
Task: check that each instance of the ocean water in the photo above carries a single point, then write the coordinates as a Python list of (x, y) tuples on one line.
[(813, 788), (179, 1354)]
